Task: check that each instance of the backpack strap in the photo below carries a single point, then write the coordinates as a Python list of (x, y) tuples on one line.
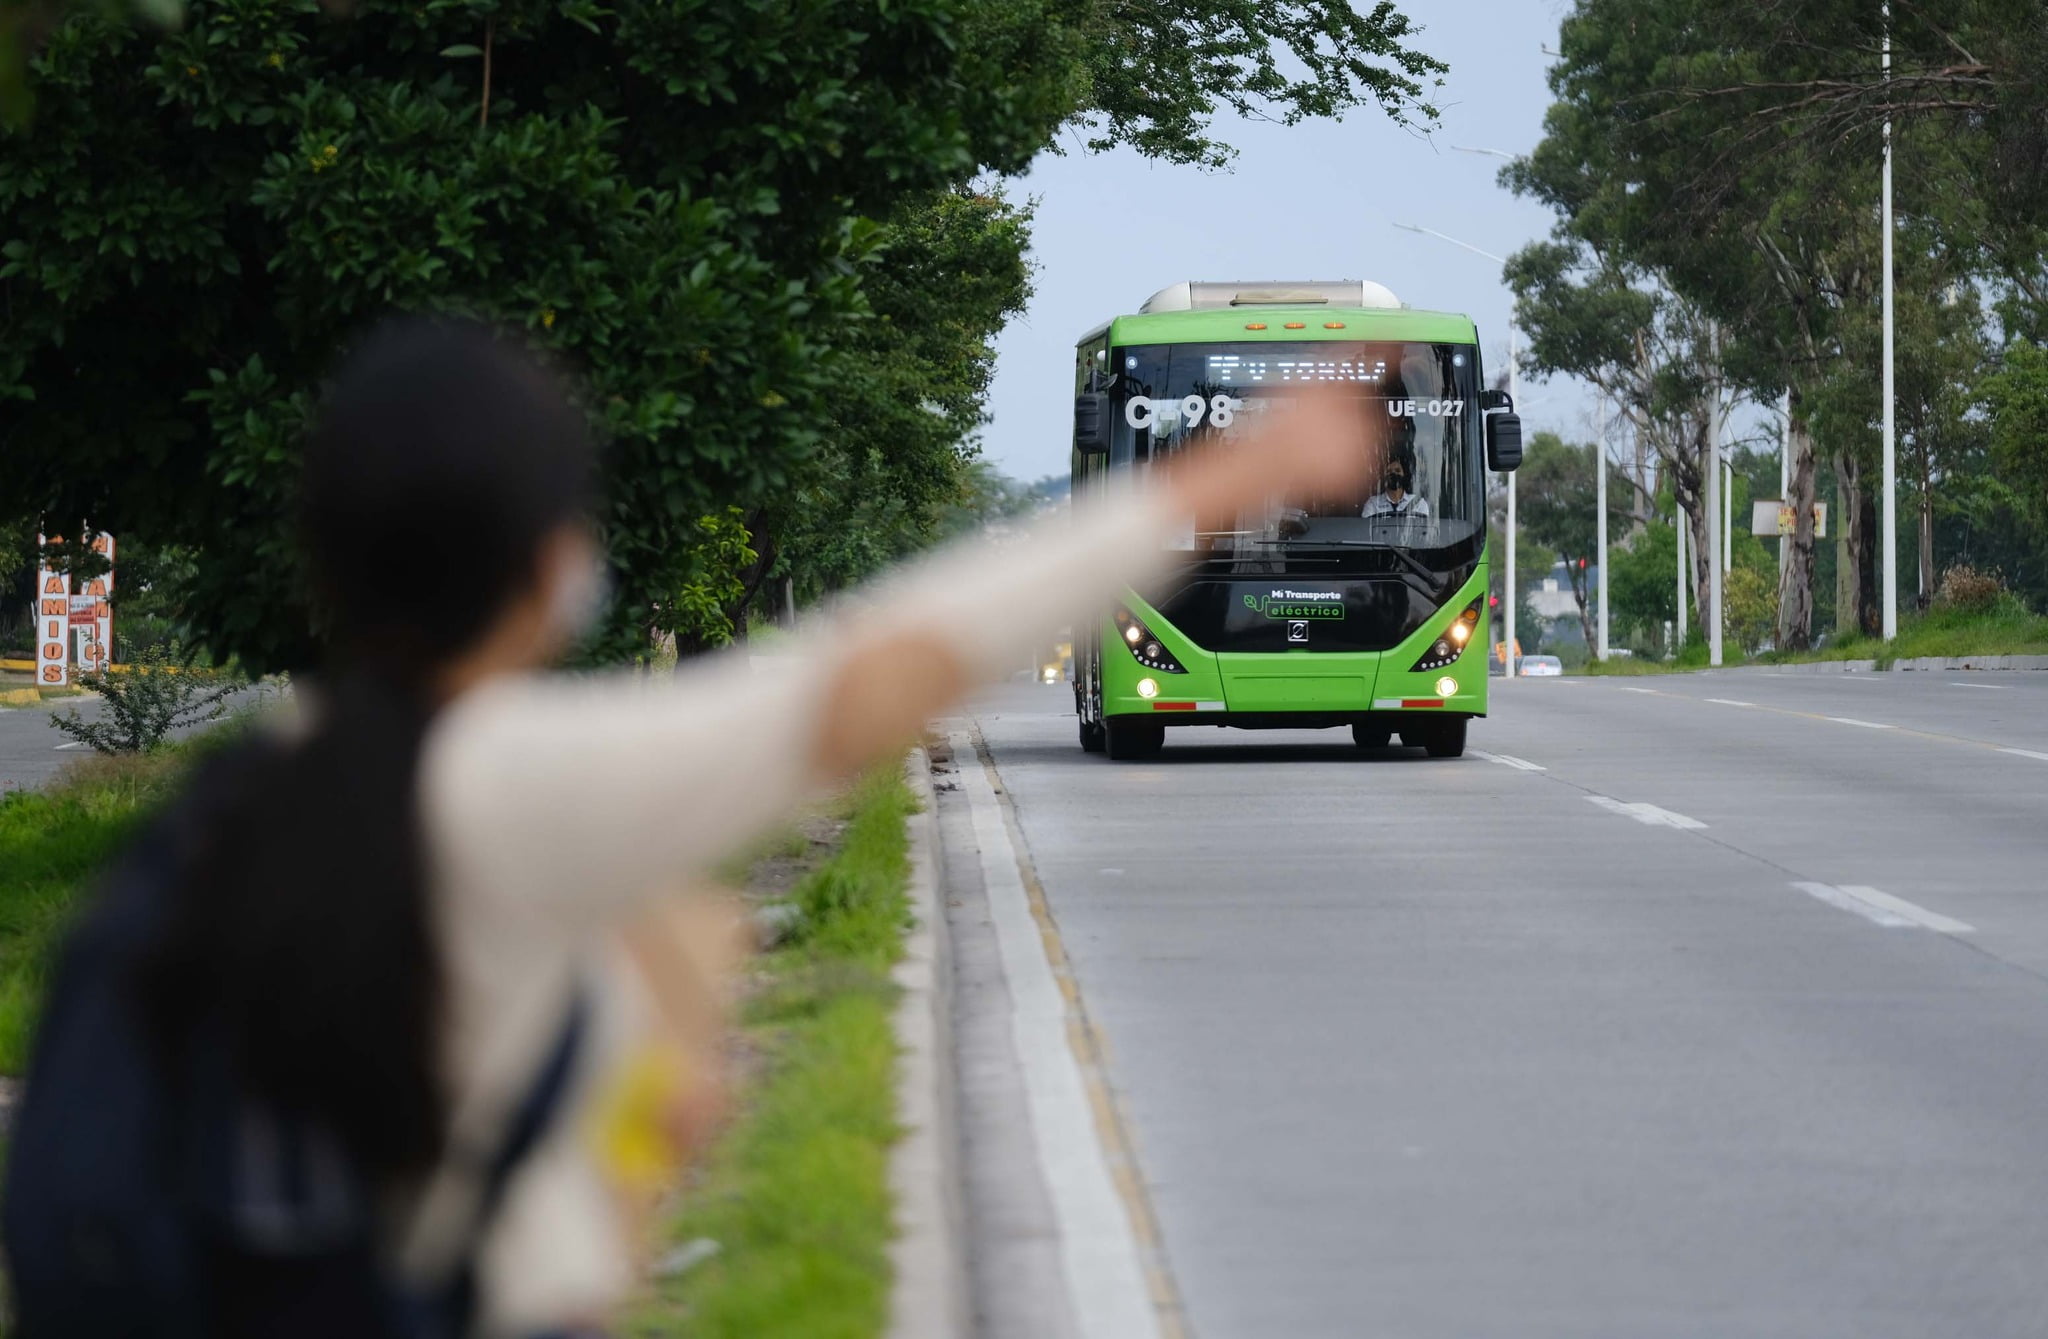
[(530, 1120)]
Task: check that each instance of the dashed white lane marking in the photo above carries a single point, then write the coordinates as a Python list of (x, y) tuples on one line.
[(2026, 753), (1867, 725), (75, 744), (1098, 1247), (1730, 702), (1645, 813), (1509, 760), (1879, 908), (1994, 687), (1626, 688)]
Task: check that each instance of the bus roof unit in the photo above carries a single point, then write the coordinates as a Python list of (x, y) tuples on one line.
[(1197, 296)]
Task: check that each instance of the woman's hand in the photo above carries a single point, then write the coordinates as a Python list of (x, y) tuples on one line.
[(1306, 444)]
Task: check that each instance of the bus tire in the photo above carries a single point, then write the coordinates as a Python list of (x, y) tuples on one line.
[(1127, 740), (1370, 736), (1091, 735), (1447, 740)]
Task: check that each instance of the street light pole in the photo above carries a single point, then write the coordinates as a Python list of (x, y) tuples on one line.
[(1713, 512), (1891, 501), (1514, 394), (1600, 512)]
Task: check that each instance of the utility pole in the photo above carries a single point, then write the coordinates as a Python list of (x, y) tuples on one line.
[(1600, 512), (1785, 484), (1891, 499), (1678, 525), (1713, 502), (1512, 601)]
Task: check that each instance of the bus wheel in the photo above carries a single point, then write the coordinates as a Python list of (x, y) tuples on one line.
[(1370, 737), (1134, 739), (1447, 740), (1091, 735)]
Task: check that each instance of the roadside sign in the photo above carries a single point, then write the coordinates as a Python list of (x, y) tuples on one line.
[(1771, 517), (53, 618)]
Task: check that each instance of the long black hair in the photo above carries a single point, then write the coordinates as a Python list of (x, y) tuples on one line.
[(442, 460)]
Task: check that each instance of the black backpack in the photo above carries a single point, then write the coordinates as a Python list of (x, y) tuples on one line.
[(149, 1204)]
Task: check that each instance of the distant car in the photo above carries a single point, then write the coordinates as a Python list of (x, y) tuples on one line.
[(1537, 667)]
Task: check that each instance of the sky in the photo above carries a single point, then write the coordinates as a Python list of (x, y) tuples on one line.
[(1313, 201)]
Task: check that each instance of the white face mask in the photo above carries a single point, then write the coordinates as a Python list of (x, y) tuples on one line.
[(577, 597)]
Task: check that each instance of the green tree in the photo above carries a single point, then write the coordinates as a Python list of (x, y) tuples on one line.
[(1558, 504), (1642, 591), (1162, 68), (1749, 604), (2018, 397), (700, 209)]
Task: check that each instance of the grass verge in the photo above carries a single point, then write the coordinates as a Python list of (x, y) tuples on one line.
[(51, 843), (796, 1192), (2009, 629)]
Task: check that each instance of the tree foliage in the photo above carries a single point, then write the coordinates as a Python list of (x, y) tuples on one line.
[(1722, 159), (749, 227), (1558, 504), (1161, 69)]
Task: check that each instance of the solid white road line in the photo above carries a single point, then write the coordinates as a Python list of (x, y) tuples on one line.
[(1867, 725), (1730, 702), (1880, 908), (1994, 687), (1098, 1247), (1645, 813), (1509, 760), (2026, 753)]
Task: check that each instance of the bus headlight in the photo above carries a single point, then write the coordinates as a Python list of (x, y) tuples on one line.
[(1447, 687), (1145, 648), (1148, 688), (1450, 643)]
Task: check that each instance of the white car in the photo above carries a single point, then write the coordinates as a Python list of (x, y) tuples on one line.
[(1538, 667)]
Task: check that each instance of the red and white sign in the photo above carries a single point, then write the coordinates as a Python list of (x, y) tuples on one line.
[(66, 622), (53, 620)]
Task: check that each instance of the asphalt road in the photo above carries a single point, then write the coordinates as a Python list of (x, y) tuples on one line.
[(1703, 1006), (32, 753)]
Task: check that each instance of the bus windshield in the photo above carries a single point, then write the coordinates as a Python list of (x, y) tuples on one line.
[(1418, 414)]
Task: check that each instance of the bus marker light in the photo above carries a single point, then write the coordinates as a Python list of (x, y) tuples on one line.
[(1333, 325), (1255, 325), (1148, 688), (1448, 687), (1297, 325)]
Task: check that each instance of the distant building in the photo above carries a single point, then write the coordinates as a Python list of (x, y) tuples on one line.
[(1553, 598)]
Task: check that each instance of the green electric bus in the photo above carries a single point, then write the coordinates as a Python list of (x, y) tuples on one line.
[(1368, 611)]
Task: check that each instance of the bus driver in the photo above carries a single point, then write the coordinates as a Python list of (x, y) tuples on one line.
[(1396, 481)]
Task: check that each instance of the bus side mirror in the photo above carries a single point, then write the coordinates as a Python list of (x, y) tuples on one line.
[(1091, 423), (1503, 442)]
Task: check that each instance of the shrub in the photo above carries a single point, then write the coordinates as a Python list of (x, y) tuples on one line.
[(148, 700), (1750, 604), (1972, 589)]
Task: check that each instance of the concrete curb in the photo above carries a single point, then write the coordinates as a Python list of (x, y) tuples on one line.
[(1939, 664), (930, 1298), (1928, 664)]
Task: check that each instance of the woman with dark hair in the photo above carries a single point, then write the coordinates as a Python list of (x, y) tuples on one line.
[(381, 932)]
